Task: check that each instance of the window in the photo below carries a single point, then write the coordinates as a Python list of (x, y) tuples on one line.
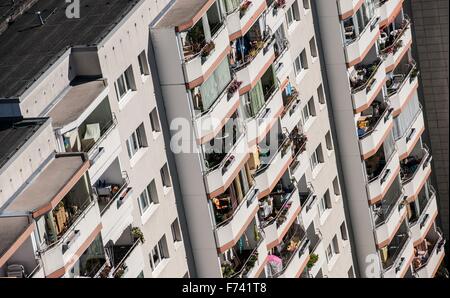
[(329, 141), (125, 83), (335, 245), (154, 121), (176, 233), (344, 234), (308, 111), (165, 176), (306, 4), (148, 197), (324, 203), (300, 63), (292, 14), (336, 187), (159, 253), (136, 141), (143, 64), (329, 253), (313, 47), (332, 249), (321, 94), (316, 157)]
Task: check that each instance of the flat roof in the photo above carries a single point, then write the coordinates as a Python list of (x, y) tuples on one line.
[(14, 133), (80, 96), (51, 185), (13, 232), (183, 13), (28, 49)]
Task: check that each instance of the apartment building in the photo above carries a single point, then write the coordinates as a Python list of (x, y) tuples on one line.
[(213, 138), (85, 188), (242, 87), (373, 81)]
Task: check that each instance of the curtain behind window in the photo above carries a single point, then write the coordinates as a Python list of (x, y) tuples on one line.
[(389, 146), (256, 98), (406, 117), (215, 84)]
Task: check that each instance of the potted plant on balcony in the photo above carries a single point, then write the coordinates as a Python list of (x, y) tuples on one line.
[(414, 74), (227, 270), (233, 88), (208, 49), (313, 258), (280, 3), (244, 7), (137, 234)]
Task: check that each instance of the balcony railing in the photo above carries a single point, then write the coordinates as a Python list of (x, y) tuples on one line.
[(280, 213), (412, 164), (117, 196), (399, 247), (295, 242), (247, 201), (399, 80), (283, 147), (258, 45), (94, 149), (365, 76), (373, 122), (392, 43), (120, 267)]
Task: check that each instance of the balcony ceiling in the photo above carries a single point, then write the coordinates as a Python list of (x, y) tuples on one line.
[(184, 14), (81, 94), (50, 185)]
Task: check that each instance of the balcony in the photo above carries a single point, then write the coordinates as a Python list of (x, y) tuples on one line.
[(388, 10), (308, 201), (277, 212), (247, 261), (254, 55), (402, 85), (275, 13), (429, 255), (113, 193), (289, 259), (224, 157), (347, 8), (232, 216), (124, 255), (382, 169), (300, 162), (97, 136), (201, 55), (17, 254), (395, 44), (366, 82), (274, 163), (291, 107), (80, 229), (374, 125), (424, 211), (265, 114), (389, 213), (358, 44), (208, 122), (242, 18), (399, 255), (415, 170)]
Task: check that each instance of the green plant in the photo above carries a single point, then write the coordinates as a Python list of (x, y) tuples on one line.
[(119, 273), (137, 234), (313, 258), (227, 270)]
